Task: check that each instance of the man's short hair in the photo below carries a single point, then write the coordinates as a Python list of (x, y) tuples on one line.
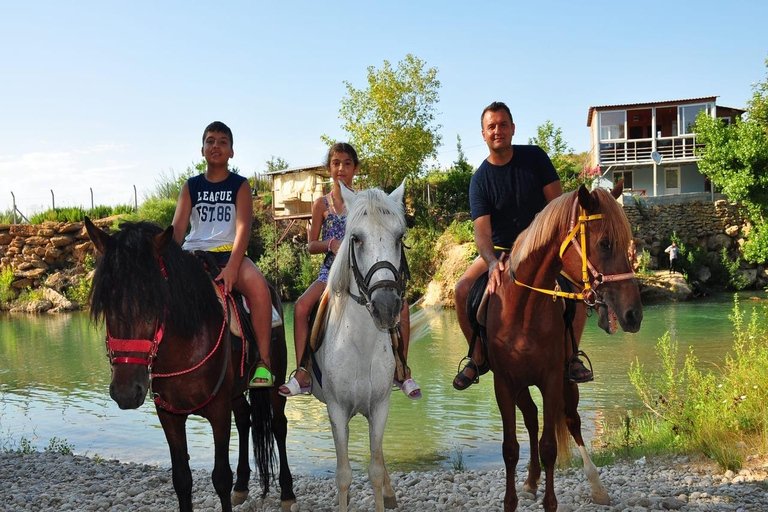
[(218, 126), (495, 107)]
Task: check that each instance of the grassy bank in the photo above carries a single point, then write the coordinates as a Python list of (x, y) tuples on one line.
[(721, 412)]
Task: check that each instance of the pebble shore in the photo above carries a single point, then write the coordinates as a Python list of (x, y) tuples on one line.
[(49, 481)]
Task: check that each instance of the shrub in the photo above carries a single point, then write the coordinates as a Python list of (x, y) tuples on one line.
[(7, 293), (422, 260), (463, 232), (716, 412)]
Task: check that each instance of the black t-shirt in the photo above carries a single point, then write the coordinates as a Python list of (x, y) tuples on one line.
[(512, 194)]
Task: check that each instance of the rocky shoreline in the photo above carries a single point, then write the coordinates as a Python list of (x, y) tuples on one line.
[(49, 481)]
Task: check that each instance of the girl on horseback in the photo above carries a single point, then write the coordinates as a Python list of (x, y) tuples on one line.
[(329, 215)]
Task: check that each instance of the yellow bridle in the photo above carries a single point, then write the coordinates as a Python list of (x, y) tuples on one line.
[(588, 294)]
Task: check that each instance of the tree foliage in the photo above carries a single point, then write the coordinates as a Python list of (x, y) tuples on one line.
[(276, 163), (391, 122), (735, 159), (569, 165)]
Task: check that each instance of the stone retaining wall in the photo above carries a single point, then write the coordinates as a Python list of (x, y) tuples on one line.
[(709, 225), (35, 252)]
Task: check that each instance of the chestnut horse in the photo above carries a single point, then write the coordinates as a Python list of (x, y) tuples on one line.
[(584, 236), (168, 333)]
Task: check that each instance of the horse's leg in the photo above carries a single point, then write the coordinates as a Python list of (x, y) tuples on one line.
[(280, 430), (219, 414), (242, 414), (573, 420), (390, 500), (505, 399), (531, 418), (279, 421), (377, 421), (553, 405), (340, 427), (174, 427)]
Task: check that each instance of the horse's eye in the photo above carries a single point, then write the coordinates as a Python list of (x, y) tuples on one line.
[(605, 245)]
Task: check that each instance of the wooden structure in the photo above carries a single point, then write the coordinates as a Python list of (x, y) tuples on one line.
[(625, 139), (294, 190)]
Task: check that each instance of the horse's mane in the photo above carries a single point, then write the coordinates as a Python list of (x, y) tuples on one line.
[(129, 284), (371, 207), (551, 225)]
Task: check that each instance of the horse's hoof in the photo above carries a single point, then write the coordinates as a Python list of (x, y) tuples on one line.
[(532, 489), (601, 499), (239, 497), (286, 506), (390, 502)]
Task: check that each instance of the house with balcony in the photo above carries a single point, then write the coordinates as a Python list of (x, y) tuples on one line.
[(652, 146)]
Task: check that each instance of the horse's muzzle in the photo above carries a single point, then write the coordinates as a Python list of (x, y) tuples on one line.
[(130, 396), (385, 308)]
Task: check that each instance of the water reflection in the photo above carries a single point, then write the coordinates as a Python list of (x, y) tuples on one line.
[(54, 379)]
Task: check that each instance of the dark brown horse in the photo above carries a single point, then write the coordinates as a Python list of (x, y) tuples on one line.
[(585, 235), (167, 332)]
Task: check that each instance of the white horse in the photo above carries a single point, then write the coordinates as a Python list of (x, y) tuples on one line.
[(365, 286)]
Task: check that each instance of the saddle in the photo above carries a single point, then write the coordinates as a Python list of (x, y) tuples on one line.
[(477, 302), (239, 316)]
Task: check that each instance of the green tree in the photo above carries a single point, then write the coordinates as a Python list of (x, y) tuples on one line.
[(391, 121), (568, 164), (275, 163), (735, 158)]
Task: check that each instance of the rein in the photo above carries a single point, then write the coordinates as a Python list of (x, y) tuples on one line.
[(401, 276), (589, 294), (149, 348)]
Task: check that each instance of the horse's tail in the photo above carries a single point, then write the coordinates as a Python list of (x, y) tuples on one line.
[(263, 437), (563, 437)]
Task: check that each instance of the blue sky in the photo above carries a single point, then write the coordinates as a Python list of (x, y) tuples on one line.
[(106, 96)]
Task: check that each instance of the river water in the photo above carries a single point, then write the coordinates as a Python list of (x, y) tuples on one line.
[(54, 379)]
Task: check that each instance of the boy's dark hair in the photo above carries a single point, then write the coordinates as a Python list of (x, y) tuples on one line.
[(218, 126), (341, 147), (495, 107)]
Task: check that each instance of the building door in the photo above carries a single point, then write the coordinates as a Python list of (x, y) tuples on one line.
[(671, 180)]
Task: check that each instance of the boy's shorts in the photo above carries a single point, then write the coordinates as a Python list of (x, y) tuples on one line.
[(221, 257)]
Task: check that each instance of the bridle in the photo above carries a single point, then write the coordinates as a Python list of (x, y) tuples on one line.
[(400, 275), (591, 278), (148, 348)]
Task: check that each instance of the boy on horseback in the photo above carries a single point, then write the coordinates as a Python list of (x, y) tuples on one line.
[(329, 217), (509, 188), (218, 206)]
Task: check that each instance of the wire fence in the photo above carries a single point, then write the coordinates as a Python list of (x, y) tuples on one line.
[(15, 215)]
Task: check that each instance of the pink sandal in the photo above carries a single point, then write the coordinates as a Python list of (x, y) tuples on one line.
[(409, 388)]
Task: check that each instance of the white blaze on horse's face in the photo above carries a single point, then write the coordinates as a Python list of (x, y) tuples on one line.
[(375, 247)]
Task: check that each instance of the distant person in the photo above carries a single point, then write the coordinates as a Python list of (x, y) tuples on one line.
[(673, 251), (509, 188), (632, 254), (218, 206), (329, 220)]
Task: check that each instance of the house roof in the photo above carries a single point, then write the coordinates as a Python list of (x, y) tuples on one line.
[(292, 170), (648, 104)]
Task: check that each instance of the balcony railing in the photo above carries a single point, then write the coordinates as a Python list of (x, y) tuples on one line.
[(638, 151)]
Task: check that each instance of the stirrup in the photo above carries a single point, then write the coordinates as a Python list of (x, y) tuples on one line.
[(575, 359)]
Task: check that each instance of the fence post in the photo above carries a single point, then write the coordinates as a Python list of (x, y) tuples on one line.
[(91, 189), (53, 200), (14, 207), (135, 200)]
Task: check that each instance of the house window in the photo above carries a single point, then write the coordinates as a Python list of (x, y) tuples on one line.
[(623, 175), (688, 115), (725, 120), (613, 125)]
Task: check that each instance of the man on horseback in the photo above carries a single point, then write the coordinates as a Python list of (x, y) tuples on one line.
[(219, 207), (509, 188)]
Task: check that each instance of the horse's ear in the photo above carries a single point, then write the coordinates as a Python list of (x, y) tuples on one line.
[(618, 189), (100, 238), (163, 240), (398, 193), (586, 200), (348, 195)]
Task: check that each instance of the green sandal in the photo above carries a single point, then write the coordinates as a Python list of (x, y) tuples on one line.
[(262, 378)]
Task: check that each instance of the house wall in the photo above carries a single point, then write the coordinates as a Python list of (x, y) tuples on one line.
[(691, 179)]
